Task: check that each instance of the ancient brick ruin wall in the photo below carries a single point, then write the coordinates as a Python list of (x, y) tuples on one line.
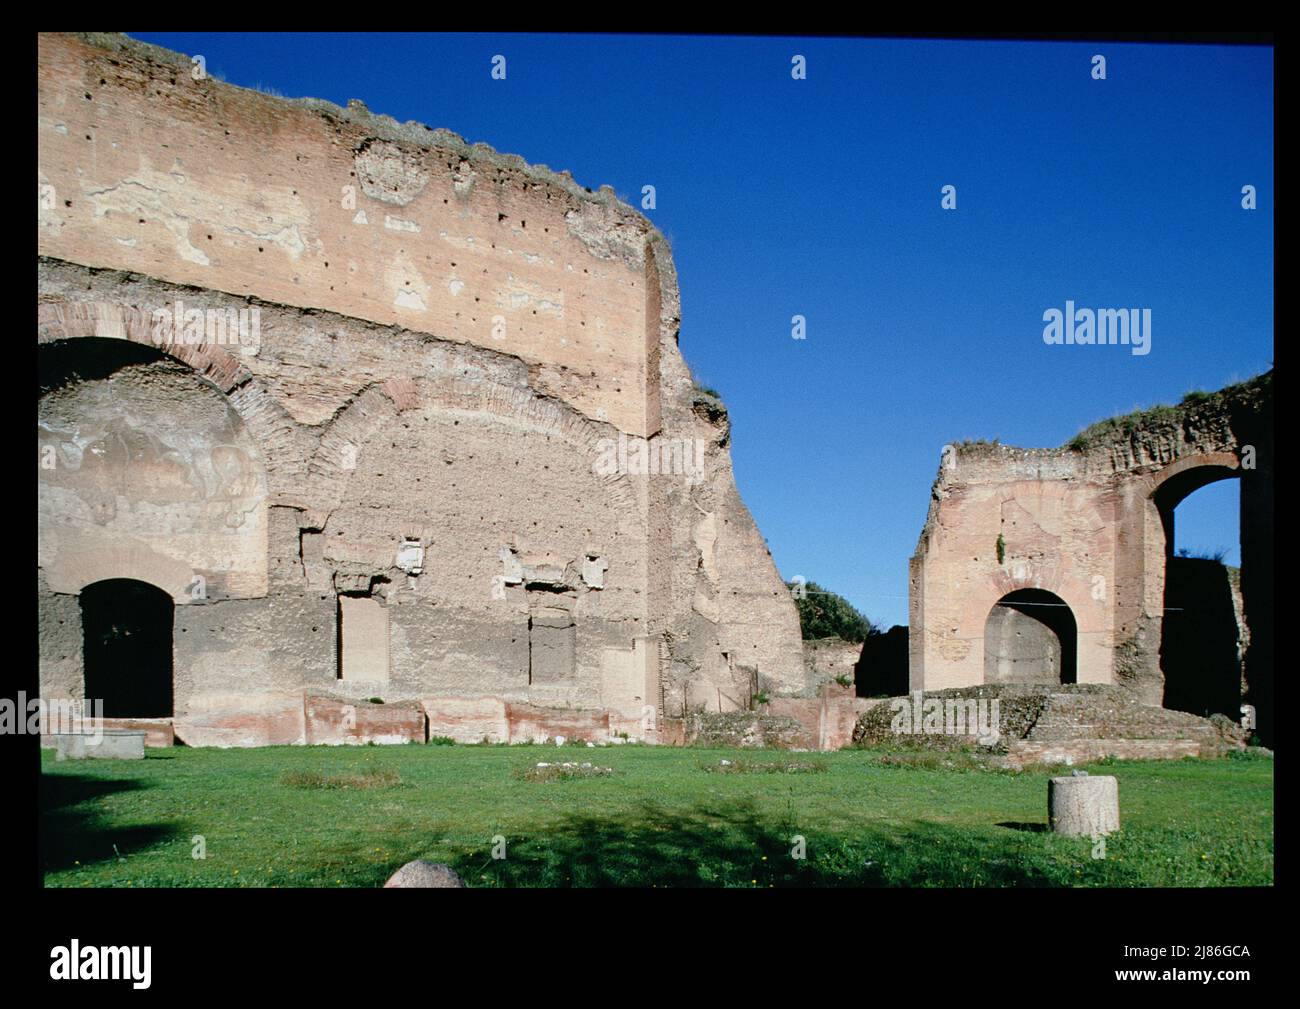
[(446, 360), (1057, 531), (306, 204), (1091, 524)]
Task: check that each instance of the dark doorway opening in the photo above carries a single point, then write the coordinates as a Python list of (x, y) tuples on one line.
[(882, 668), (1203, 631), (1031, 637), (127, 632), (1199, 649)]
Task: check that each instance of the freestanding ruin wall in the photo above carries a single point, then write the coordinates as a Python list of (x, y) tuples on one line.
[(1050, 565), (379, 414)]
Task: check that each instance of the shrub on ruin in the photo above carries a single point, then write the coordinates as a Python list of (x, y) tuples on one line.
[(826, 614)]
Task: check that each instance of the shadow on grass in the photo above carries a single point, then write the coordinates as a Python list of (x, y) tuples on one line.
[(73, 830), (734, 847), (1028, 828)]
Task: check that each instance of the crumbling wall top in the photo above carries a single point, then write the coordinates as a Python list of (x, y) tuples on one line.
[(385, 127), (150, 169)]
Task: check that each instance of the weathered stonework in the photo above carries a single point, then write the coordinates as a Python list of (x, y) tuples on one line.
[(392, 486), (1080, 536), (834, 661), (1067, 724)]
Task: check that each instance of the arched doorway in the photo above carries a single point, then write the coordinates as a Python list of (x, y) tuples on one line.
[(1203, 630), (1030, 636), (127, 648)]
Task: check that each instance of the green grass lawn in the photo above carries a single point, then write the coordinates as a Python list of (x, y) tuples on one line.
[(350, 816)]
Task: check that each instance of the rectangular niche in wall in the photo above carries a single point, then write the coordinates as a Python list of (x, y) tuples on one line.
[(551, 651), (363, 639)]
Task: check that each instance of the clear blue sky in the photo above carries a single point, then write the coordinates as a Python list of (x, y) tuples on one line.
[(821, 197)]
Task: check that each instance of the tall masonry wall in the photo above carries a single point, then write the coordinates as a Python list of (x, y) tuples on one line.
[(384, 414), (1087, 530)]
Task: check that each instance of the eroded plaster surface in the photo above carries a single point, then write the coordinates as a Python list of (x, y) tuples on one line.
[(1091, 525), (387, 475)]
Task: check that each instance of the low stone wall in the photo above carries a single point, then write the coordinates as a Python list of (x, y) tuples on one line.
[(749, 729), (110, 744), (829, 719), (530, 723), (1066, 724), (271, 719), (497, 720), (829, 658), (334, 721), (315, 717), (158, 732), (467, 719), (1084, 751)]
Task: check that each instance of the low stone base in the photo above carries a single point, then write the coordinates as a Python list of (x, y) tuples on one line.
[(316, 718), (332, 721), (1068, 725), (157, 731), (496, 720), (1084, 751), (110, 744), (828, 719)]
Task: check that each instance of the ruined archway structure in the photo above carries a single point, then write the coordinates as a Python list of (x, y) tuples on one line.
[(363, 389), (1092, 524), (1030, 637)]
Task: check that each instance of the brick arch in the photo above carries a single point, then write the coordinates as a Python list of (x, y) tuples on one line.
[(1040, 614), (1169, 487), (1015, 575), (265, 419), (1173, 483), (125, 560), (1071, 591), (378, 405), (75, 551), (66, 319), (1045, 577)]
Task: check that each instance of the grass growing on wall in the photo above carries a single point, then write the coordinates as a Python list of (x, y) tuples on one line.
[(661, 818)]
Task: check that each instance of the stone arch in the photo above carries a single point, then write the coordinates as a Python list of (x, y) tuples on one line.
[(1201, 634), (147, 472), (65, 319), (1031, 636), (1104, 504), (60, 319), (379, 406), (1167, 488), (133, 561)]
